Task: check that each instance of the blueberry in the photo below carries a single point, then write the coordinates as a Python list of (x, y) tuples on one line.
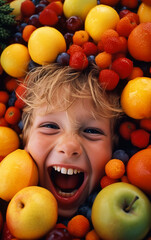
[(32, 65), (91, 59), (121, 154), (12, 99), (63, 59), (20, 125), (91, 198)]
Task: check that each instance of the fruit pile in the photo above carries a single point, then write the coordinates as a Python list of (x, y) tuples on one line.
[(114, 35)]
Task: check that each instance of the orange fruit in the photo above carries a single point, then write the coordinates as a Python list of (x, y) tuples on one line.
[(115, 168), (139, 42), (139, 170), (136, 98), (144, 12), (78, 226), (9, 141), (92, 235)]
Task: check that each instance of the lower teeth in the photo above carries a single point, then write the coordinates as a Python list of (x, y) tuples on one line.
[(65, 194)]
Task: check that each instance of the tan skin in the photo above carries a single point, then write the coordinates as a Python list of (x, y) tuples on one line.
[(70, 141)]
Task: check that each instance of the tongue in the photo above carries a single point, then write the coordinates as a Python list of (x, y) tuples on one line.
[(67, 182)]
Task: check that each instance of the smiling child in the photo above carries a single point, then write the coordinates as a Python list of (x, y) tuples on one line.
[(69, 125)]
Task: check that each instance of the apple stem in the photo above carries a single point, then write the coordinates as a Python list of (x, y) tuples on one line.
[(127, 209)]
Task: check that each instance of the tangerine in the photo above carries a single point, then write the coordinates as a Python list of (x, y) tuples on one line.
[(139, 42), (115, 168), (9, 141), (136, 98), (139, 170)]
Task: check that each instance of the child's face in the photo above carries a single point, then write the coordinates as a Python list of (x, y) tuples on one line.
[(71, 149)]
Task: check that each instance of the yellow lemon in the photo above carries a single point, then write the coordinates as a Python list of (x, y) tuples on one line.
[(99, 19), (136, 98), (78, 8), (15, 59), (17, 170), (16, 5), (9, 141), (44, 45), (144, 13)]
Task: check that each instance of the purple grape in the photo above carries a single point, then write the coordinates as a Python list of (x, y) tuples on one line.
[(121, 154), (63, 59), (58, 234), (74, 23), (68, 38), (34, 20), (39, 7), (17, 38)]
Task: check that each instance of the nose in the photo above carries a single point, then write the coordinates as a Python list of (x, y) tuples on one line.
[(69, 146)]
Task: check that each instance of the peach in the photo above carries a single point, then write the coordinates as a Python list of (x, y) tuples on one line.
[(17, 170)]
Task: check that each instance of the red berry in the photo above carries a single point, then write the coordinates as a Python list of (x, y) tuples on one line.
[(125, 26), (126, 128), (123, 67), (108, 79), (78, 60), (105, 181), (48, 17), (90, 48), (56, 6), (112, 44), (27, 8), (140, 138), (74, 48), (19, 103)]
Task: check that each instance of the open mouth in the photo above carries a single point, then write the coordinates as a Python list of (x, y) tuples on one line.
[(66, 181)]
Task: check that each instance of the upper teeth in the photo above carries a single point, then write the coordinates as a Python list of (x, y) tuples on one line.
[(63, 170)]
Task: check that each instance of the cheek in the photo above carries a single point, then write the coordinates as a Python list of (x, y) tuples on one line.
[(98, 161), (35, 146)]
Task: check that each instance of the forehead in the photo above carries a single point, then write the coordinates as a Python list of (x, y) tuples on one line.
[(79, 107)]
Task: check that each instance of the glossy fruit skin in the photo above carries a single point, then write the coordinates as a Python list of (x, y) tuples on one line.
[(32, 213), (78, 8), (17, 165), (112, 222), (136, 98), (45, 44), (74, 23), (21, 55), (58, 234), (99, 19), (139, 170)]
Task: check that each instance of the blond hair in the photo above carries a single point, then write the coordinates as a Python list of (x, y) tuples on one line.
[(59, 87)]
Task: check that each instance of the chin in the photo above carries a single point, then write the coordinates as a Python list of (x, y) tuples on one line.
[(67, 212)]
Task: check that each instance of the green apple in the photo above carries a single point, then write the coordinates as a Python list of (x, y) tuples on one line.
[(121, 211), (32, 213), (78, 8)]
